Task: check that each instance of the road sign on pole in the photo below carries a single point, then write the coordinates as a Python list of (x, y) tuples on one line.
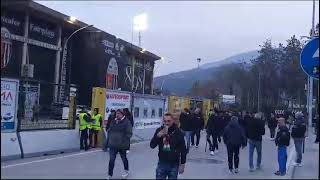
[(309, 58)]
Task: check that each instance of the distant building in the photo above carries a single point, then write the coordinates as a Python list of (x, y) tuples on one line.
[(32, 34)]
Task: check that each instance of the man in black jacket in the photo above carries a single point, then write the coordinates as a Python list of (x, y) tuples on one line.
[(282, 141), (272, 124), (119, 134), (186, 126), (198, 126), (298, 134), (212, 131), (172, 149), (255, 130)]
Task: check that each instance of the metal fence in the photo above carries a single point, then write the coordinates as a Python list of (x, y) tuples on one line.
[(38, 108)]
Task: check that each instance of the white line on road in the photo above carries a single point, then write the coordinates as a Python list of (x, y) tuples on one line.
[(60, 157), (49, 159)]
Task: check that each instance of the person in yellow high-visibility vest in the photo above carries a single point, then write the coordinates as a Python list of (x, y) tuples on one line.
[(95, 127), (84, 118)]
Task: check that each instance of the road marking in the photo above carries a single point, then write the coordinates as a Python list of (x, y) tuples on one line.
[(49, 159), (60, 157)]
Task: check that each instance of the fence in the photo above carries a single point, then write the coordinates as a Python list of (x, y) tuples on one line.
[(39, 110)]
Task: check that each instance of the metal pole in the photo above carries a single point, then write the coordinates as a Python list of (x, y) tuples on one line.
[(139, 38), (310, 95), (259, 93)]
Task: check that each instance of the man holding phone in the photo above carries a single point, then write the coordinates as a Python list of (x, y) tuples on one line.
[(172, 149)]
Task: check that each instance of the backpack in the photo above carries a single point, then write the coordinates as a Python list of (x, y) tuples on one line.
[(285, 138)]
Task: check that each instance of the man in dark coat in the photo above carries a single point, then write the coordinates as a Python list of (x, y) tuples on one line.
[(119, 134), (198, 125), (234, 137), (272, 125), (187, 126), (212, 132)]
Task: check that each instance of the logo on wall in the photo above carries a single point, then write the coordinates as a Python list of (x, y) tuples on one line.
[(112, 74), (6, 48)]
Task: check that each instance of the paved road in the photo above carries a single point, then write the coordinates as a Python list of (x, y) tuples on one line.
[(142, 160)]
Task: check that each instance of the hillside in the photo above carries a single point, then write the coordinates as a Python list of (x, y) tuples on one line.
[(179, 83)]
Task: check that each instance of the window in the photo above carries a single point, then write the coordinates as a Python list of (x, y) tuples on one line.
[(153, 113), (136, 112), (145, 113), (160, 112)]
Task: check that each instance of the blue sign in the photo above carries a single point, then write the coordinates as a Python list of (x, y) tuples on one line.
[(309, 58)]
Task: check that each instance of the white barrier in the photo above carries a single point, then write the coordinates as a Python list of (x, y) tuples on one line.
[(10, 148), (35, 143)]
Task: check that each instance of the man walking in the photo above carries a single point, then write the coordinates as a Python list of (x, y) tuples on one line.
[(282, 141), (186, 126), (234, 137), (255, 130), (172, 149), (212, 131), (119, 134), (198, 126), (298, 134), (272, 125)]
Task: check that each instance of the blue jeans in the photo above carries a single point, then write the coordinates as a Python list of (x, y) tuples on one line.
[(165, 170), (298, 143), (282, 159), (187, 136), (252, 145)]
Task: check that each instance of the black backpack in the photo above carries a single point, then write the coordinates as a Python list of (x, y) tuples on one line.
[(285, 138)]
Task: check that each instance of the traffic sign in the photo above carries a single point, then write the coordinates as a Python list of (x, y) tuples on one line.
[(309, 58)]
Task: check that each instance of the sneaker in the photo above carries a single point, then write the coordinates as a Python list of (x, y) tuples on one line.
[(212, 153), (197, 146), (258, 168), (125, 174), (109, 177), (127, 151), (236, 170), (251, 169), (230, 171), (278, 173), (297, 164)]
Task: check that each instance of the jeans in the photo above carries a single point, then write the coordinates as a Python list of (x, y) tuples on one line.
[(282, 159), (298, 143), (272, 132), (187, 136), (165, 170), (197, 134), (84, 139), (233, 155), (214, 144), (252, 145), (113, 154)]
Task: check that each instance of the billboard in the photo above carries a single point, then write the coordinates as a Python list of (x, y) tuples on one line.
[(9, 104), (116, 100), (229, 99)]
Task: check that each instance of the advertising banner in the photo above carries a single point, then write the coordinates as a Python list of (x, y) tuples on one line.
[(147, 123), (229, 99), (116, 100), (9, 103)]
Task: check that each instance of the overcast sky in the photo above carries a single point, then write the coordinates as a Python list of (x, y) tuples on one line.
[(183, 31)]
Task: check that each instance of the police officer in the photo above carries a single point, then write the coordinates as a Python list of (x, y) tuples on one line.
[(84, 118), (95, 127)]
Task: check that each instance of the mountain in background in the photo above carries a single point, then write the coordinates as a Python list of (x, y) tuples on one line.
[(179, 83)]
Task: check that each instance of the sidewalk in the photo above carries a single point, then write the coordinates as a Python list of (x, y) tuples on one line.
[(310, 160)]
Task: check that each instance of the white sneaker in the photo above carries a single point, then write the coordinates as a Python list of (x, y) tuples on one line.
[(251, 169), (109, 177), (236, 170), (127, 151), (297, 164), (197, 146), (230, 171), (212, 153), (125, 174)]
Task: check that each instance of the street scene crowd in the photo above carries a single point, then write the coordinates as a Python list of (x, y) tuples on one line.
[(176, 137)]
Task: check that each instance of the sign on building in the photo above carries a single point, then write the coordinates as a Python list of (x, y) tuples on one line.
[(9, 103), (228, 99)]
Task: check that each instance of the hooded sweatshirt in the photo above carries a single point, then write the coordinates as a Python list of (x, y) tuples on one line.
[(234, 134)]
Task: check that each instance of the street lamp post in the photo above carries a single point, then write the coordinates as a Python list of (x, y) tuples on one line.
[(140, 24), (63, 68)]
